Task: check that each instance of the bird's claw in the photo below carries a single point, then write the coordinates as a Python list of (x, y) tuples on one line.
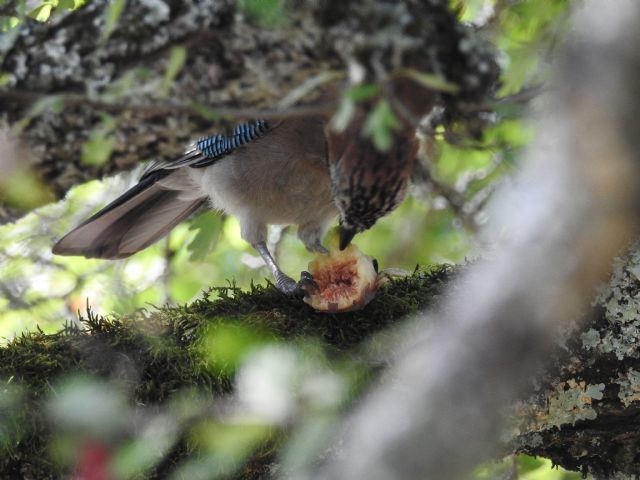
[(319, 248), (287, 285), (300, 289), (307, 284)]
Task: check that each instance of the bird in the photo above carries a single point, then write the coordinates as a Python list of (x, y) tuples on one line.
[(292, 171)]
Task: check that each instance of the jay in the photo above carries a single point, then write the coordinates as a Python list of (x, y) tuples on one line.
[(294, 171)]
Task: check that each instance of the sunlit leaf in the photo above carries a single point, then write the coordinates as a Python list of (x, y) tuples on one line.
[(208, 226), (225, 345), (126, 83), (527, 31), (360, 93), (379, 126), (97, 150), (112, 15), (267, 13), (176, 62), (206, 112), (7, 23), (343, 116), (469, 10), (347, 108), (42, 12), (11, 399), (543, 471), (522, 467), (137, 456), (23, 190), (429, 80), (70, 4)]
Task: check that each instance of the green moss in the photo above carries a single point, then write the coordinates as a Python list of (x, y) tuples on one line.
[(152, 355)]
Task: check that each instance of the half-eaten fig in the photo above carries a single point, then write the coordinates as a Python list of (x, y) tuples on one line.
[(346, 280)]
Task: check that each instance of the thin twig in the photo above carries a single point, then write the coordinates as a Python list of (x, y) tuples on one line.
[(71, 99)]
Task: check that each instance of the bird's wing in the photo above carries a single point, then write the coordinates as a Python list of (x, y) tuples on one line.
[(208, 150), (139, 217)]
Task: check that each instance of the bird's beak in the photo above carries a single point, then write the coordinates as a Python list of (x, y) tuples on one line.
[(346, 235)]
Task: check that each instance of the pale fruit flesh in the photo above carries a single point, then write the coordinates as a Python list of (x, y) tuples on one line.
[(347, 280)]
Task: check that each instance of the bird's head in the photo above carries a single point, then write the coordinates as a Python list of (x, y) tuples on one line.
[(367, 184)]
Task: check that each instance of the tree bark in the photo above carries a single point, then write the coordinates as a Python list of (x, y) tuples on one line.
[(585, 410)]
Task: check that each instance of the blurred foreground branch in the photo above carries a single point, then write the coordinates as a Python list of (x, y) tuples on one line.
[(438, 412)]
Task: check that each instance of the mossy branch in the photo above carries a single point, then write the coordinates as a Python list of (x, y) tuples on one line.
[(156, 353)]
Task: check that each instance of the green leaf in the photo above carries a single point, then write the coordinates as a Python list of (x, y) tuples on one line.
[(4, 79), (112, 15), (344, 114), (360, 93), (70, 4), (24, 190), (347, 108), (267, 13), (209, 226), (127, 82), (176, 62), (206, 112), (97, 150), (42, 12), (429, 80), (379, 124), (225, 345), (53, 103), (50, 103), (8, 23)]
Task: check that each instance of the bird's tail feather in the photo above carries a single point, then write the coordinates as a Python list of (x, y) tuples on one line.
[(139, 217)]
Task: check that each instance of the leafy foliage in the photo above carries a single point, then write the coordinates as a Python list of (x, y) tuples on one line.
[(380, 122), (267, 13)]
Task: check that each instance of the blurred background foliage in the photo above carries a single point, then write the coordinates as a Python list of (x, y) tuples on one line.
[(436, 224)]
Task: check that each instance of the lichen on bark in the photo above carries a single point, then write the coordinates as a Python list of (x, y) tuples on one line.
[(582, 412)]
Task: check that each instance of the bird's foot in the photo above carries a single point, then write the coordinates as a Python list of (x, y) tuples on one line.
[(300, 289), (307, 283), (318, 248), (287, 285)]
